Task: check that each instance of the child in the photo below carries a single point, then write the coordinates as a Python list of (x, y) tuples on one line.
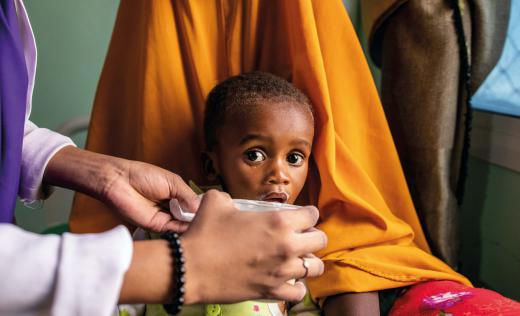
[(258, 131)]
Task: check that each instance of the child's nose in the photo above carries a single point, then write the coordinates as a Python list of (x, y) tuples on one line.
[(278, 173)]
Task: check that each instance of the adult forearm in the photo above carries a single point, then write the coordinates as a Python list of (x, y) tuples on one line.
[(82, 171), (136, 191), (149, 278), (68, 274)]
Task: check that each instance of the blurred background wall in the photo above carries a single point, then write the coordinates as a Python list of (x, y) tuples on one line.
[(72, 38)]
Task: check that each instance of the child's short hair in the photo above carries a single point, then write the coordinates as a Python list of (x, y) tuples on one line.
[(238, 92)]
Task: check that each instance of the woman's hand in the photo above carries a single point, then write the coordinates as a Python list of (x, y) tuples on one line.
[(230, 256), (233, 256), (137, 191), (140, 192)]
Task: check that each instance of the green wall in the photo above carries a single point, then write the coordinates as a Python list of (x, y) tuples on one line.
[(490, 225), (72, 38)]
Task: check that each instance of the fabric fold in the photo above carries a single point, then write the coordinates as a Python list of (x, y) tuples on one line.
[(433, 56)]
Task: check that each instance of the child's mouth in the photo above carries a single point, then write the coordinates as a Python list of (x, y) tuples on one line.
[(278, 197)]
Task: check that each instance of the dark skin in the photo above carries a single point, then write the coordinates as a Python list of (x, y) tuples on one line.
[(264, 150), (258, 162), (352, 304)]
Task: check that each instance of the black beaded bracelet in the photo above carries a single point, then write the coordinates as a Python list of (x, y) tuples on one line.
[(178, 273)]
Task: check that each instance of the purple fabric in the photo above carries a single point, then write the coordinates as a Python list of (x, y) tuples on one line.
[(13, 98)]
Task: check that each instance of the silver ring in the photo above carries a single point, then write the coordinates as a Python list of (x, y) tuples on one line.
[(306, 265)]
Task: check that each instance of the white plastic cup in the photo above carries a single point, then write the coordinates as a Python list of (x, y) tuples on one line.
[(180, 214)]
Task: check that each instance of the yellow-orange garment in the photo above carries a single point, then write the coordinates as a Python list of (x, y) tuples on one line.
[(164, 58)]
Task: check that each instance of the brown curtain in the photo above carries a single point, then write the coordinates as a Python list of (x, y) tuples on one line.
[(426, 80)]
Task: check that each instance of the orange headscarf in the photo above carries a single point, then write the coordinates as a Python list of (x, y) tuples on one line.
[(164, 58)]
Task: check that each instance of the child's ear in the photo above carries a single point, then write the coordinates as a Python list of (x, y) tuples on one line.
[(209, 165)]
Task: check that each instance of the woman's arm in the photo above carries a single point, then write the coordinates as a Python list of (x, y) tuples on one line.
[(65, 275), (149, 278), (230, 256), (137, 191)]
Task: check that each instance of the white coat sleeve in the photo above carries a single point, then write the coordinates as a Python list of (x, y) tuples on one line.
[(62, 275), (39, 145)]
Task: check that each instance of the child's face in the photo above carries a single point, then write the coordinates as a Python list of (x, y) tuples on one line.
[(263, 154)]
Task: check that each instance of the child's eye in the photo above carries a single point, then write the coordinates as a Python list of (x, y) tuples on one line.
[(255, 156), (295, 159)]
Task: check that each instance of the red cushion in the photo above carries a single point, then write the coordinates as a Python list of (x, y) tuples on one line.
[(435, 298)]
